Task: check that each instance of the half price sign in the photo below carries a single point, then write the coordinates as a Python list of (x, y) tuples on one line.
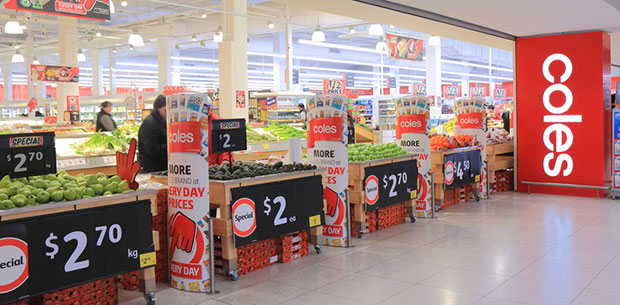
[(390, 184)]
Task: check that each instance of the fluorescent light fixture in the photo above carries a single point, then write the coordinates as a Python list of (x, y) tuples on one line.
[(98, 34), (194, 38), (17, 57), (124, 3), (12, 26), (391, 26), (35, 61), (16, 47), (135, 64), (375, 29), (80, 56), (135, 39), (351, 30), (318, 35), (203, 15), (112, 8), (381, 47), (270, 24), (434, 41), (218, 36)]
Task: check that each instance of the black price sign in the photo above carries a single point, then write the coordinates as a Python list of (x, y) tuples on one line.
[(228, 135), (462, 168), (27, 154), (389, 184), (268, 210), (55, 252)]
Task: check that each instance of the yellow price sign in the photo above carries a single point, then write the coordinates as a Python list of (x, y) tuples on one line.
[(477, 178), (148, 259), (414, 194), (315, 220), (265, 145)]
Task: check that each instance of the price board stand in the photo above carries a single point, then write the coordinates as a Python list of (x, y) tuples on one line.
[(443, 196), (357, 197), (221, 211), (146, 276)]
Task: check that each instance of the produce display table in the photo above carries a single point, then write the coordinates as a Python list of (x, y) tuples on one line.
[(261, 151), (500, 156), (364, 135), (99, 207), (437, 168), (357, 194)]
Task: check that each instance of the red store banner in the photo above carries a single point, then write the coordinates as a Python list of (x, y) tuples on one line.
[(87, 9), (54, 73), (334, 86), (410, 123), (564, 121), (403, 47), (451, 91), (469, 120)]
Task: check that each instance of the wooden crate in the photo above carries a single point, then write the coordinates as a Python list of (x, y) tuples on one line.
[(500, 156), (356, 189), (437, 166)]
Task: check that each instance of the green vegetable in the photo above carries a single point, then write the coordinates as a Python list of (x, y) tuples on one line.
[(5, 181), (6, 205), (19, 200), (43, 197), (115, 178), (91, 179), (98, 188), (106, 193), (69, 195), (57, 196)]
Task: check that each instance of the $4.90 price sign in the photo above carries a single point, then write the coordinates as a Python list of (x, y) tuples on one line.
[(462, 168), (274, 209), (27, 154), (64, 250), (228, 135), (390, 184)]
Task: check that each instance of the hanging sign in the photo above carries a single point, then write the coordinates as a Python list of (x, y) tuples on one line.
[(403, 47), (73, 103), (269, 210), (27, 154), (327, 140), (240, 99), (334, 86), (228, 135), (500, 93), (188, 191), (478, 92), (87, 9), (54, 73), (451, 91), (419, 89), (389, 184)]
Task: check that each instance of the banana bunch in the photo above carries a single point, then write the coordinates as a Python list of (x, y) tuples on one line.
[(449, 125)]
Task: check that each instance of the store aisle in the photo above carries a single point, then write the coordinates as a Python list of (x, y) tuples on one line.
[(512, 249)]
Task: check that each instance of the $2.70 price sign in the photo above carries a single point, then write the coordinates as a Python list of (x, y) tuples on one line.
[(390, 184), (462, 168), (263, 211), (75, 248), (27, 154)]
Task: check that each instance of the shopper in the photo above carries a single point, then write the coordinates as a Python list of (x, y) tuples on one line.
[(152, 139), (220, 158), (104, 118), (302, 112)]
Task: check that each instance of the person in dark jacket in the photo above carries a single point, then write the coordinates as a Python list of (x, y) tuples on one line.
[(152, 139), (104, 118)]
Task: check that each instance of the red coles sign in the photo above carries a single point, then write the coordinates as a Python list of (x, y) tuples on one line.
[(325, 129), (184, 137), (563, 122), (469, 120), (410, 123)]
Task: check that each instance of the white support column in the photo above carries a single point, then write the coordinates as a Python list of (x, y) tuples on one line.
[(67, 53), (29, 59), (433, 69), (111, 68), (279, 64), (164, 51), (97, 75), (7, 76), (233, 59), (288, 36)]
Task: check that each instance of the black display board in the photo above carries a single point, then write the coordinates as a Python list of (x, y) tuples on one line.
[(389, 184), (48, 253), (27, 154), (462, 168), (274, 209), (228, 135)]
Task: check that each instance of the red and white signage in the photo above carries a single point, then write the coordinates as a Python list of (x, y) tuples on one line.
[(451, 91), (372, 189), (184, 137), (170, 90), (324, 129), (14, 263), (244, 217), (470, 120), (563, 126), (334, 86), (410, 123)]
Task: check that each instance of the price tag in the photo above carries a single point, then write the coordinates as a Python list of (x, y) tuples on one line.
[(462, 168), (274, 209), (76, 248), (265, 145), (28, 154), (390, 184), (228, 135)]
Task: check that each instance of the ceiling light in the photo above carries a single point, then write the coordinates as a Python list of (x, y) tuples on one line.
[(434, 41), (135, 39), (131, 48), (98, 34), (16, 46), (318, 35), (17, 57), (194, 38), (176, 46), (351, 30), (381, 47), (218, 36), (203, 16), (35, 61), (123, 3), (391, 26), (112, 9), (375, 30), (12, 26), (80, 56), (202, 43), (270, 24), (114, 50)]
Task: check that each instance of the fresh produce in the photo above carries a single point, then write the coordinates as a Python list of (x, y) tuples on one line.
[(99, 143), (245, 169), (21, 192), (255, 136), (283, 131), (498, 136), (446, 128), (367, 152), (439, 142)]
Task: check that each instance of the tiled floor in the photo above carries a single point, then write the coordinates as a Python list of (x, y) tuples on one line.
[(512, 249)]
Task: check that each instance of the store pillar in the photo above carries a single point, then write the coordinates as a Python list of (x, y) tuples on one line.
[(67, 52), (233, 60), (111, 67), (7, 75), (164, 52), (564, 122), (29, 58), (97, 72), (433, 67)]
